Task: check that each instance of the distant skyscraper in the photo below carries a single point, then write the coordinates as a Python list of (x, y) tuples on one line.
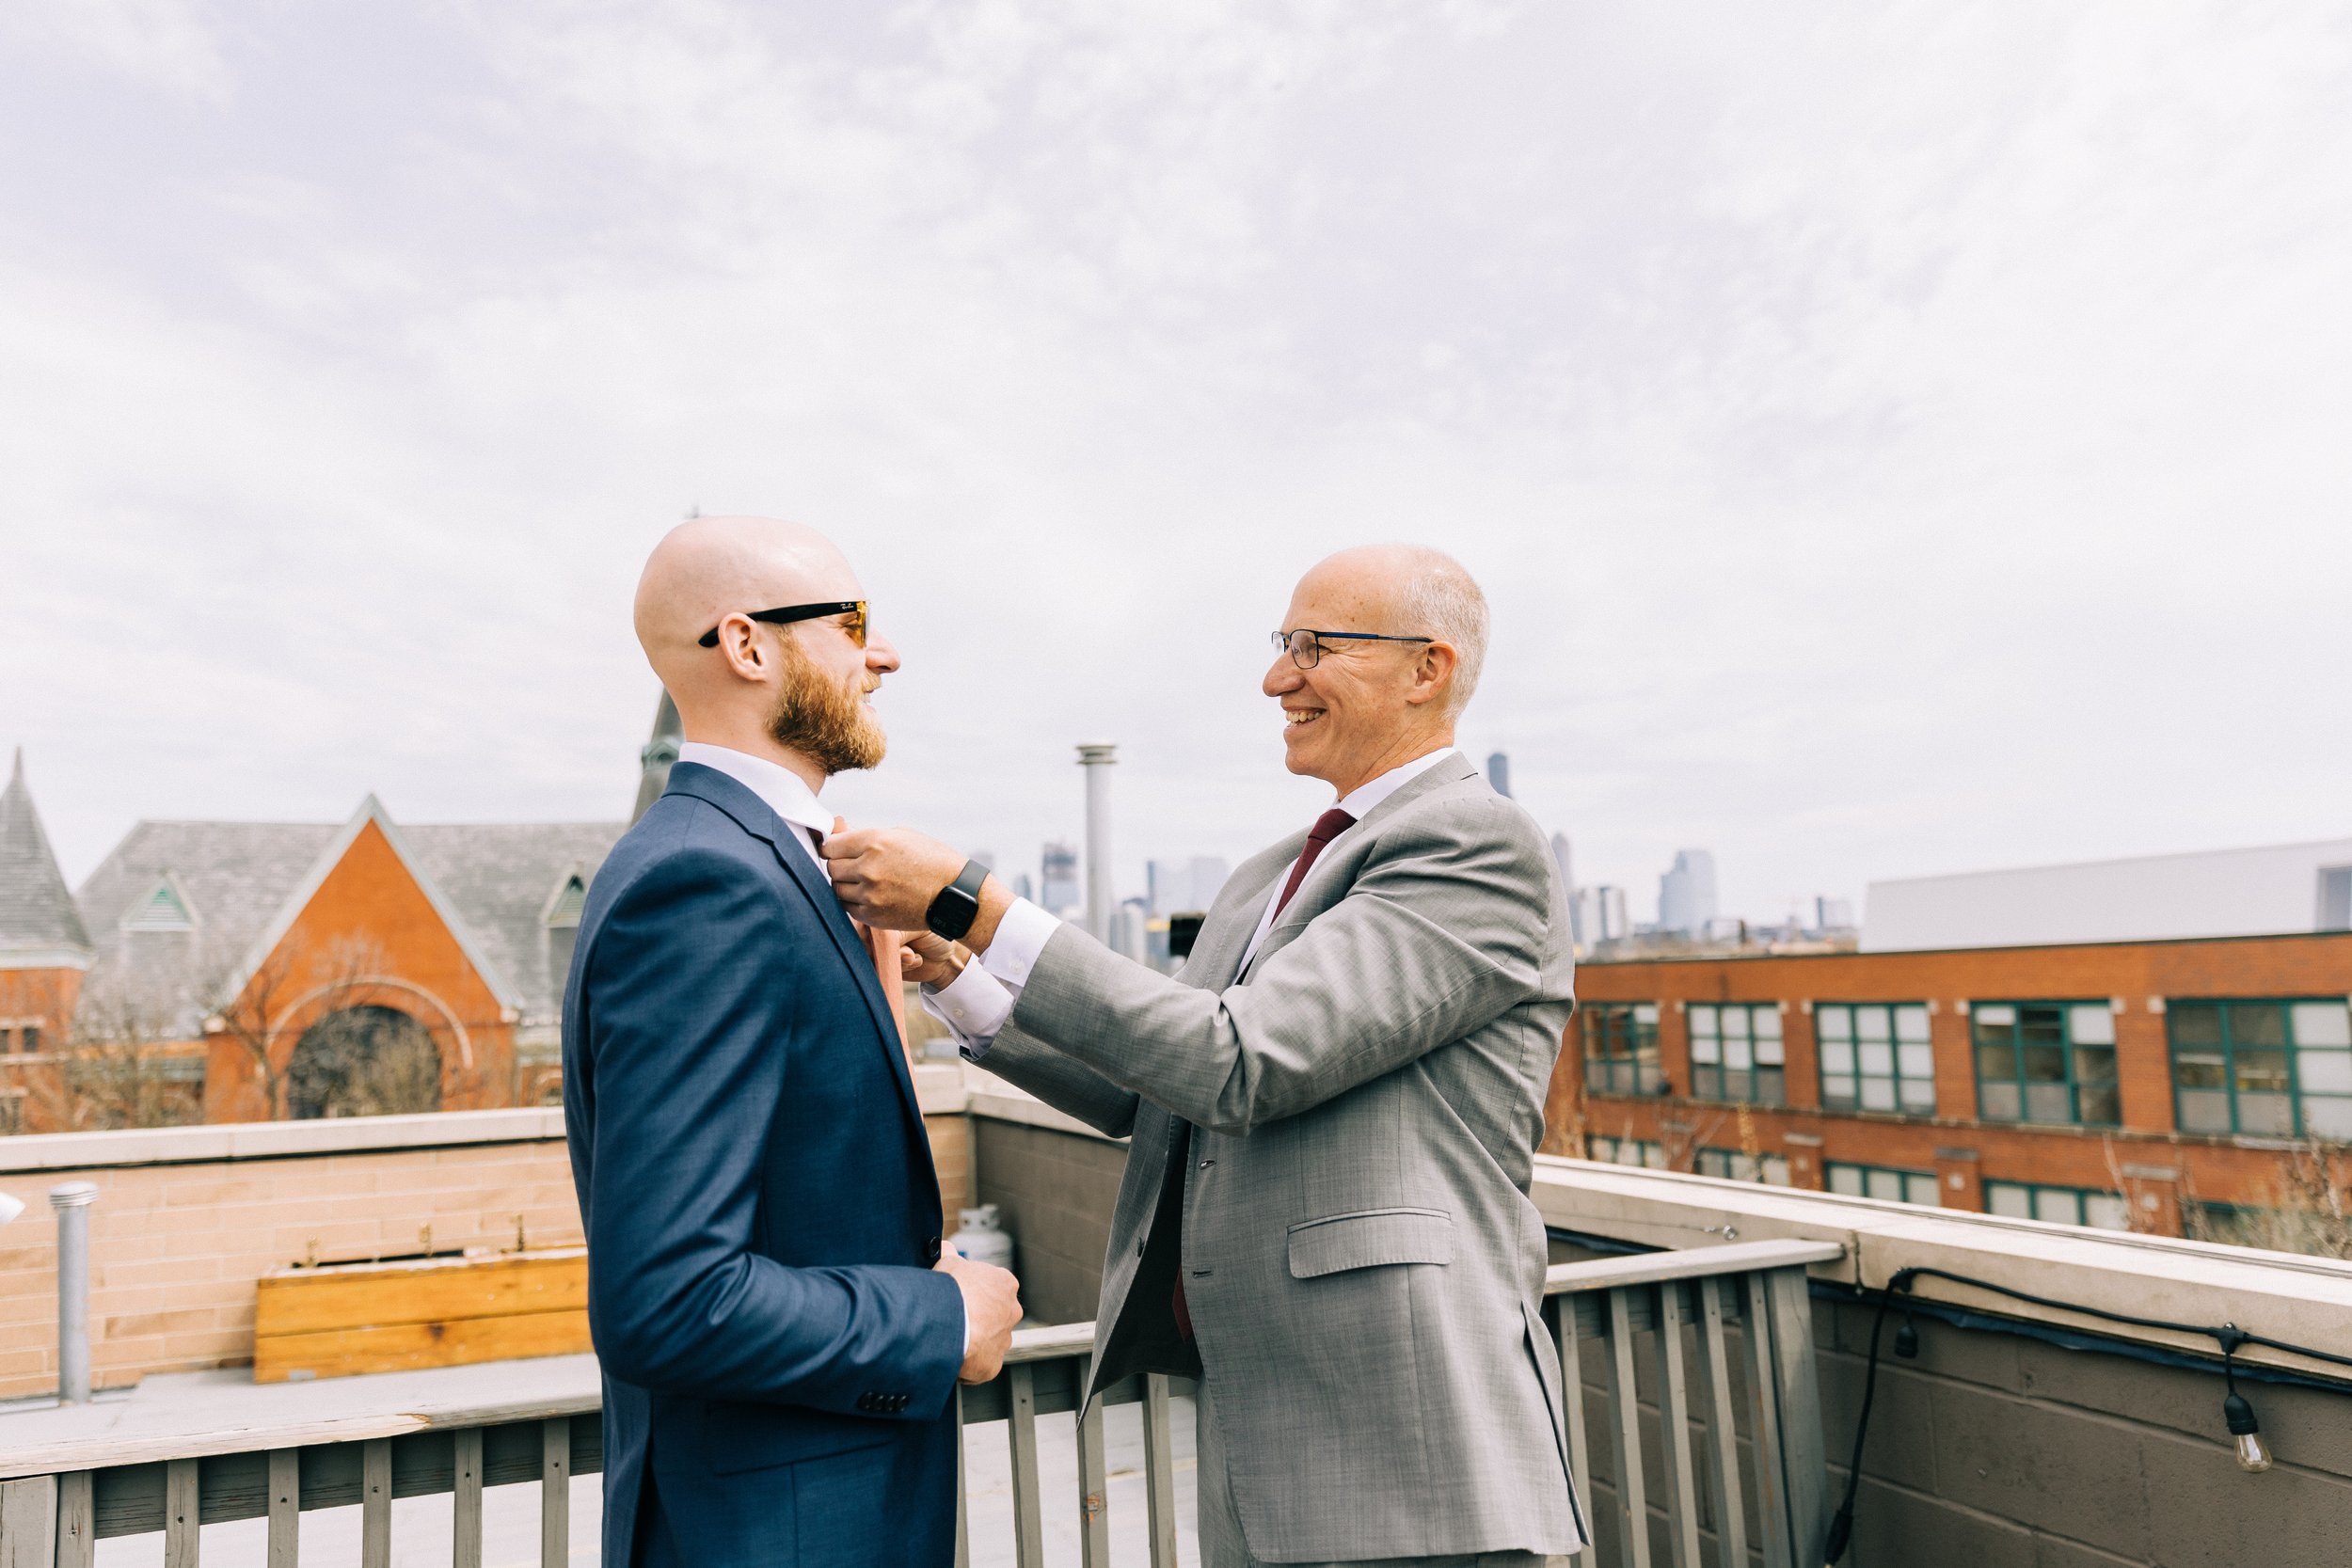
[(1609, 918), (1833, 914), (1021, 887), (1057, 879), (1128, 934), (1685, 895), (1599, 914), (1499, 773), (1566, 860), (1186, 886)]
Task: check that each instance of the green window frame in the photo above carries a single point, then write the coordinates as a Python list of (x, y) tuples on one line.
[(1888, 1183), (1875, 1056), (1621, 1046), (2046, 1062), (2275, 1067), (1733, 1164), (1735, 1052), (2038, 1200), (1644, 1152)]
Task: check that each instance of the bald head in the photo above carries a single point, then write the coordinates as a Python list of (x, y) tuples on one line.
[(710, 567), (1411, 591), (795, 693)]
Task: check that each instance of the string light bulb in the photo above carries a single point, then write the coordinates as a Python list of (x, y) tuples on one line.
[(2245, 1433)]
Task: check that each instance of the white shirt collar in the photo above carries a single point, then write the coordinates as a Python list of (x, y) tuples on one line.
[(783, 790), (1359, 802)]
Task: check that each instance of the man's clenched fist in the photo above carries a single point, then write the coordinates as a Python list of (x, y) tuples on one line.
[(991, 1310)]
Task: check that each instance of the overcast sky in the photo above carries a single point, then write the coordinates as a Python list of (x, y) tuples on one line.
[(1894, 438)]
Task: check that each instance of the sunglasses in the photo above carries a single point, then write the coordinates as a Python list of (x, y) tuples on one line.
[(853, 609)]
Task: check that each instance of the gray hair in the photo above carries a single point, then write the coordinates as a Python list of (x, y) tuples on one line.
[(1441, 599)]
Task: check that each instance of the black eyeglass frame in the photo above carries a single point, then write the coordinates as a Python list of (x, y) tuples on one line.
[(789, 613), (1317, 640)]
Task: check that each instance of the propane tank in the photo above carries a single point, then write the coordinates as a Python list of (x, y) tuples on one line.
[(981, 1236)]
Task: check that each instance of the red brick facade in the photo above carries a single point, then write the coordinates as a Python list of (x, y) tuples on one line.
[(2154, 1166), (368, 937)]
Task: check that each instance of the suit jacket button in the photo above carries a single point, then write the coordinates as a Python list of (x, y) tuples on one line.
[(932, 1247)]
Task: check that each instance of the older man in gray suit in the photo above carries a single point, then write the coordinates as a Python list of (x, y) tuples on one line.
[(1332, 1109)]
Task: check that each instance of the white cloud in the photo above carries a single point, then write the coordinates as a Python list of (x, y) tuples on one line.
[(1894, 440)]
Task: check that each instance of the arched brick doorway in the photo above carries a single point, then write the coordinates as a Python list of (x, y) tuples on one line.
[(364, 1061)]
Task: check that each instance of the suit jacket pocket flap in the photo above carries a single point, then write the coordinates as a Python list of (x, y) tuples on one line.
[(1370, 1239)]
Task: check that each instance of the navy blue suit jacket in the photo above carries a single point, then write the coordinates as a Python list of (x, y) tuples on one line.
[(779, 1356)]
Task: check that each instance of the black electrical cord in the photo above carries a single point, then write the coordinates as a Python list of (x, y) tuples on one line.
[(2238, 1415)]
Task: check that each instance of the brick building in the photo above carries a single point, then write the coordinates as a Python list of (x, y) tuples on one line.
[(2150, 1085), (44, 949), (244, 971)]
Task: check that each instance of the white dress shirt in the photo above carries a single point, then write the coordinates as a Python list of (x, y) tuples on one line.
[(789, 795), (976, 1004)]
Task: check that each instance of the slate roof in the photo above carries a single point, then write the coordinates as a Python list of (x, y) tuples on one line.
[(36, 913), (236, 877), (501, 877)]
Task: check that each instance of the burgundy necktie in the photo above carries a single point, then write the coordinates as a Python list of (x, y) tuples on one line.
[(1330, 825)]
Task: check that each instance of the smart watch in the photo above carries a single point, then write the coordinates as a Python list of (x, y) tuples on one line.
[(959, 903)]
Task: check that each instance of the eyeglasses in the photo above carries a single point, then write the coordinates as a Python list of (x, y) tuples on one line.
[(1305, 647), (853, 609)]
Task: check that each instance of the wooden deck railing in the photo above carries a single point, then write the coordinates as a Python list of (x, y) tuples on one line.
[(1716, 1396)]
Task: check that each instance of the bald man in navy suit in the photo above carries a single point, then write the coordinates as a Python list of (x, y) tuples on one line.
[(780, 1331)]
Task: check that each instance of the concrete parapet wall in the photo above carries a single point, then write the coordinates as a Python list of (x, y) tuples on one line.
[(188, 1218), (178, 1236)]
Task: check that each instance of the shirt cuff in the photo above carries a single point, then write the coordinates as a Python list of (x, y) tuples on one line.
[(1020, 936), (974, 1005)]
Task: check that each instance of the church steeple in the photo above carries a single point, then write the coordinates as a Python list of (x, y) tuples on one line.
[(40, 925), (654, 757)]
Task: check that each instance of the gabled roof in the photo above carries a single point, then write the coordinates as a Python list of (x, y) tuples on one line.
[(39, 920), (246, 881), (371, 812), (503, 878)]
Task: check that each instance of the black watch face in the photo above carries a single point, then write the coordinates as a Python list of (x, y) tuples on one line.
[(951, 913)]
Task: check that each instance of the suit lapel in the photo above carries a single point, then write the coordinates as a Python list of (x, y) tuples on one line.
[(1310, 899), (757, 819), (1220, 966)]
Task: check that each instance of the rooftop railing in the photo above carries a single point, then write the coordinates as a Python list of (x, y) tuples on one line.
[(1719, 1338)]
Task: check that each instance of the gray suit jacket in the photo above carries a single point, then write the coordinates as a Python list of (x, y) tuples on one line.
[(1362, 1265)]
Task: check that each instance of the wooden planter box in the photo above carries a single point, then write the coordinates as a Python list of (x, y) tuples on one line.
[(348, 1318)]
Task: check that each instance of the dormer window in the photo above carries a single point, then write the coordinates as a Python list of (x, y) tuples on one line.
[(164, 909), (561, 920)]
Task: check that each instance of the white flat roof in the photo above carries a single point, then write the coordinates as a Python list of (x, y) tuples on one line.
[(2213, 893)]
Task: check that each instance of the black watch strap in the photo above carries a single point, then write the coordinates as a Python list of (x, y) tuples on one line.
[(959, 903)]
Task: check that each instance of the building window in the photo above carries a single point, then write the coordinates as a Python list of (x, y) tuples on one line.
[(1735, 1052), (2031, 1201), (1884, 1181), (1621, 1046), (28, 1039), (1875, 1056), (1732, 1165), (2283, 1068), (1628, 1151), (2047, 1061)]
